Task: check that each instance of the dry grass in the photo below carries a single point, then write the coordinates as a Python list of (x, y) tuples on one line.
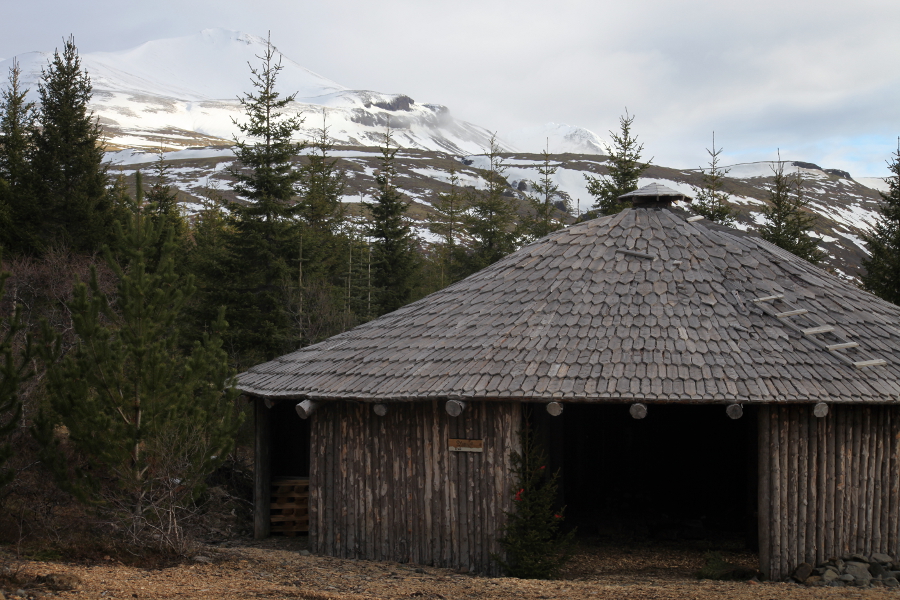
[(275, 569)]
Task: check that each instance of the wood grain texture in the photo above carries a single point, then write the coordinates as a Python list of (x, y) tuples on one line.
[(388, 487), (829, 485)]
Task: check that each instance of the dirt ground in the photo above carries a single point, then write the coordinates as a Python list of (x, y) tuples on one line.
[(276, 569)]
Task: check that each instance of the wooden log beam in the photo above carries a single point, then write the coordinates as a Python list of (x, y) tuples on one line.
[(306, 408), (262, 471), (638, 410), (734, 411), (454, 408), (820, 409), (380, 409), (268, 402), (555, 408)]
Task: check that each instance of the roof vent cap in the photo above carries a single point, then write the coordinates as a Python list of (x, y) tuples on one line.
[(653, 196)]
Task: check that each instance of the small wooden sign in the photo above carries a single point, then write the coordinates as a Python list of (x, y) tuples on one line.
[(466, 445)]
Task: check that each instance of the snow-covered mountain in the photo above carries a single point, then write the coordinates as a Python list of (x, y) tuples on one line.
[(183, 92), (559, 137)]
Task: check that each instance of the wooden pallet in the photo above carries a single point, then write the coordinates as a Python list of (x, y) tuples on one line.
[(290, 506)]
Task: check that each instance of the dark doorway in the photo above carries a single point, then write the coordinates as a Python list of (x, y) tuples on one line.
[(683, 472), (290, 442)]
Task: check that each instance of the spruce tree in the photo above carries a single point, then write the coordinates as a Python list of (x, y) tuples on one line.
[(263, 237), (535, 546), (543, 220), (321, 187), (448, 222), (490, 220), (787, 223), (882, 266), (624, 168), (394, 259), (17, 128), (711, 199), (73, 206), (150, 420)]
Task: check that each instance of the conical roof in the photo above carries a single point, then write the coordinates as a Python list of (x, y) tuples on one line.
[(639, 306), (655, 190)]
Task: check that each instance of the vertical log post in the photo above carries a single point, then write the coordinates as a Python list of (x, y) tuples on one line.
[(262, 471), (763, 489)]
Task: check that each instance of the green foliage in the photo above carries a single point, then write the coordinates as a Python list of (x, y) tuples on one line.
[(882, 276), (787, 223), (448, 221), (150, 421), (163, 206), (72, 205), (711, 199), (542, 220), (394, 258), (14, 369), (532, 538), (624, 168), (263, 237), (17, 121), (490, 220)]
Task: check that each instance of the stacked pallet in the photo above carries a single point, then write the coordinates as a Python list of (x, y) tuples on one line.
[(290, 506)]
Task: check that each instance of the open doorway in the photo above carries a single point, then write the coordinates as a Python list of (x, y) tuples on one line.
[(685, 472), (290, 442)]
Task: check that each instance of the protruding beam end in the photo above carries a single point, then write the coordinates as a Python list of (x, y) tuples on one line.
[(638, 410), (734, 411), (555, 408), (268, 402), (380, 409), (454, 408), (820, 409), (306, 408)]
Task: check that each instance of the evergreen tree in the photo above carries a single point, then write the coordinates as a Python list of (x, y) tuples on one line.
[(17, 120), (394, 258), (542, 220), (624, 169), (490, 220), (787, 223), (535, 547), (882, 276), (448, 221), (72, 203), (322, 184), (263, 239), (711, 199), (13, 370), (152, 420)]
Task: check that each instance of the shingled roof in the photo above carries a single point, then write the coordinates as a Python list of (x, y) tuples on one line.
[(639, 306)]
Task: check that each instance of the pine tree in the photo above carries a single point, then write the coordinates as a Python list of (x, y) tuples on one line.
[(787, 223), (542, 220), (394, 259), (167, 417), (882, 266), (14, 368), (263, 239), (624, 168), (535, 547), (490, 220), (711, 200), (448, 221), (17, 121), (73, 205)]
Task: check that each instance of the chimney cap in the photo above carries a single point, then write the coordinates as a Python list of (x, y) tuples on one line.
[(653, 195)]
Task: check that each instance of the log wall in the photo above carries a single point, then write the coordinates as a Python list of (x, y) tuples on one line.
[(388, 488), (827, 486)]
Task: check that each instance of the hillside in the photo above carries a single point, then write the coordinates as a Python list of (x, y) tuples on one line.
[(846, 207), (181, 94)]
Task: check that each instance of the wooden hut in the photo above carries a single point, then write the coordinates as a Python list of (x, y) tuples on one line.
[(647, 313)]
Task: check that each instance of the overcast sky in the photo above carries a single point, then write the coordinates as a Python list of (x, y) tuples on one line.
[(818, 79)]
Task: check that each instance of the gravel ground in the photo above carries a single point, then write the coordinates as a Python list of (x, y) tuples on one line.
[(276, 569)]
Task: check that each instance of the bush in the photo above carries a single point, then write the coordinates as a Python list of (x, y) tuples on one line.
[(532, 538)]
